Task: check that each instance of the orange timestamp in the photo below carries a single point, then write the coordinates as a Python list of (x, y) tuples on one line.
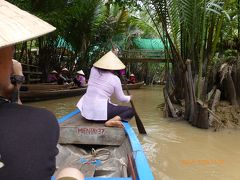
[(202, 162)]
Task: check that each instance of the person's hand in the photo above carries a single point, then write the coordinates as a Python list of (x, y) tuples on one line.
[(131, 97)]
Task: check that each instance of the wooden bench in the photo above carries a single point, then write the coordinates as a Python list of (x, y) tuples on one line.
[(77, 130)]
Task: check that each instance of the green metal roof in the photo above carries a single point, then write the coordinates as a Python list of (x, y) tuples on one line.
[(150, 44), (62, 43)]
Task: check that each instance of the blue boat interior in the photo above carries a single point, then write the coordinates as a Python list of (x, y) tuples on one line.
[(142, 168)]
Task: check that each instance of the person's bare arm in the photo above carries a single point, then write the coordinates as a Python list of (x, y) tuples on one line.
[(17, 70)]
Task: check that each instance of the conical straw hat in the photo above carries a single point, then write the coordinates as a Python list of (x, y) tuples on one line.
[(80, 72), (64, 69), (110, 62), (17, 25), (54, 72), (70, 174)]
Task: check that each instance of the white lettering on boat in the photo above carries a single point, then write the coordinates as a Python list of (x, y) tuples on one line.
[(90, 131)]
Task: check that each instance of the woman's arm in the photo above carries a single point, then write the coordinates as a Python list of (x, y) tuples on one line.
[(118, 91)]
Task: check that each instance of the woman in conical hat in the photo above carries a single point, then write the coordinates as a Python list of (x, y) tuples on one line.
[(64, 77), (102, 84), (52, 77), (132, 79), (80, 79), (29, 136)]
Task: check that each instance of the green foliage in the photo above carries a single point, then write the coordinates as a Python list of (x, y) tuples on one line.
[(195, 28), (91, 27)]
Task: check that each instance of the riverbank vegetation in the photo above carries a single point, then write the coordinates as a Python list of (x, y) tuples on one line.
[(199, 35), (200, 38)]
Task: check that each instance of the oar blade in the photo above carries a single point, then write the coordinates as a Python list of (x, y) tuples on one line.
[(141, 128)]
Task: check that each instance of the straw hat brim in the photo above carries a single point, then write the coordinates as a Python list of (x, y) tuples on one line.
[(54, 72), (17, 25), (110, 62), (64, 69)]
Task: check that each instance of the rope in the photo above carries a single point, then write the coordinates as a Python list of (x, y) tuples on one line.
[(100, 153), (96, 156), (121, 161)]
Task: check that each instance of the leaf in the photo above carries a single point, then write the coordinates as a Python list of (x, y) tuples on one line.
[(210, 4), (227, 15), (213, 10)]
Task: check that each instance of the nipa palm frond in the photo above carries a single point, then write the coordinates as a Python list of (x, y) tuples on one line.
[(174, 16)]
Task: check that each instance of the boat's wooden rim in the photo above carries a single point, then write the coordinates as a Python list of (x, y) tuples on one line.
[(143, 168)]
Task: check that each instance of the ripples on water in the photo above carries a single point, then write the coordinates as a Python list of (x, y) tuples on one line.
[(175, 149)]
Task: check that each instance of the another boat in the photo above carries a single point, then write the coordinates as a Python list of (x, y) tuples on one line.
[(39, 92), (134, 86), (46, 94), (44, 86), (50, 86), (101, 152)]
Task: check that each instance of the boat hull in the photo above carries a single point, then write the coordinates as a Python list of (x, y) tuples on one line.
[(40, 92), (133, 86), (39, 95), (129, 151)]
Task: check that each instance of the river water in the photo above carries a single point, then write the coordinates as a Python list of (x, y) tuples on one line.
[(175, 149)]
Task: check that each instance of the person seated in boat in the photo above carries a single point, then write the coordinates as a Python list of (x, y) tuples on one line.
[(17, 78), (52, 77), (95, 104), (28, 135), (64, 77), (80, 79), (132, 79)]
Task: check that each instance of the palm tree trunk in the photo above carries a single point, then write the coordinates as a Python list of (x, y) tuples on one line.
[(201, 58)]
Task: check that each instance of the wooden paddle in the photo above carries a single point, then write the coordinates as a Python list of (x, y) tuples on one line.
[(141, 128)]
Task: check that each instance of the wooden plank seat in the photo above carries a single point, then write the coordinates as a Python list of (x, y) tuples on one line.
[(78, 130)]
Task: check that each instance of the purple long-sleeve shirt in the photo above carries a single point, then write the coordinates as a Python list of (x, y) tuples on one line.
[(101, 86), (81, 80)]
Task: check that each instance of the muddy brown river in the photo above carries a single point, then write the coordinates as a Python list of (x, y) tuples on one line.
[(175, 149)]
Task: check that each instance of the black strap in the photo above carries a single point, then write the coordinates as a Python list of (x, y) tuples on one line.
[(4, 100), (17, 79)]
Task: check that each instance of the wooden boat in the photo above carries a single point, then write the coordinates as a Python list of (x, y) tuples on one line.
[(50, 86), (41, 94), (44, 86), (134, 86), (101, 152)]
